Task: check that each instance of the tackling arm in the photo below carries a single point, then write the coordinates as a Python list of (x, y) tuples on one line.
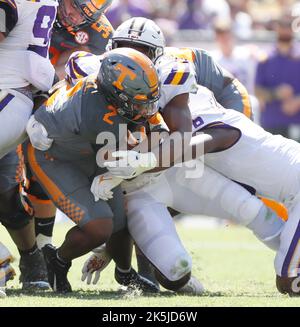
[(177, 147), (178, 118), (180, 146)]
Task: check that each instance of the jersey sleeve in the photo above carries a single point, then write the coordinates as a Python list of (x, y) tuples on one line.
[(79, 65), (8, 16), (176, 77)]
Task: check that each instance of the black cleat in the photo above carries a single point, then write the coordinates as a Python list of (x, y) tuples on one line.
[(133, 280), (57, 270), (146, 269), (33, 269)]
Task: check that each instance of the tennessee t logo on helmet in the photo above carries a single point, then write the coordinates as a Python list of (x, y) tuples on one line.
[(124, 73), (130, 83)]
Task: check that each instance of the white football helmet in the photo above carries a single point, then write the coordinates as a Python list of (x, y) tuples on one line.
[(140, 31)]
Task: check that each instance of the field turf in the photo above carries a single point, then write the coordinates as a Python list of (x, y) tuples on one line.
[(234, 267)]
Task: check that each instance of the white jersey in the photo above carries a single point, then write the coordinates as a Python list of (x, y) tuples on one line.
[(268, 163), (24, 56), (177, 76)]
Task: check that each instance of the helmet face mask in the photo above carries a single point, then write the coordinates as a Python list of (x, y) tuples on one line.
[(130, 83), (138, 112), (140, 32), (89, 10)]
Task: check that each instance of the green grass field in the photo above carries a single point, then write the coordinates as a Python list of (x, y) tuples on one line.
[(235, 269)]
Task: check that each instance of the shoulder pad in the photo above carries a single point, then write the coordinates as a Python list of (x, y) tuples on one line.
[(172, 72), (181, 53)]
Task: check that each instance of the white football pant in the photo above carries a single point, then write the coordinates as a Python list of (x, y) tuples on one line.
[(211, 194), (15, 110)]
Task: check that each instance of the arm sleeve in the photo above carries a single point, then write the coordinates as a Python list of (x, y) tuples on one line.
[(8, 16)]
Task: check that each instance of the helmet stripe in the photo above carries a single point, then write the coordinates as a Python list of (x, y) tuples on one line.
[(131, 26), (137, 26), (98, 3)]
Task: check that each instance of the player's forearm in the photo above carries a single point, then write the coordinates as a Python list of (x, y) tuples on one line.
[(175, 148)]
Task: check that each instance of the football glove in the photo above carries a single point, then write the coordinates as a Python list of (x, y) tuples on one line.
[(131, 163), (38, 135), (5, 255), (102, 186), (93, 266)]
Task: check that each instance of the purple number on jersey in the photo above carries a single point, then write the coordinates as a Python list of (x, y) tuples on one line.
[(197, 122), (45, 16)]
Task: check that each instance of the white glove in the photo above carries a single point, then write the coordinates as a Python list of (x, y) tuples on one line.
[(102, 186), (97, 262), (130, 164), (38, 135)]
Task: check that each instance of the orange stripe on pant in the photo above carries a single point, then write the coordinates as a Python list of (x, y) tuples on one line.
[(35, 200), (61, 201), (20, 171), (279, 208)]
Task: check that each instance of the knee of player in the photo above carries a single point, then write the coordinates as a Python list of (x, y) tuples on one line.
[(18, 220), (266, 225), (19, 215), (177, 268), (9, 201), (240, 203), (42, 205), (288, 285)]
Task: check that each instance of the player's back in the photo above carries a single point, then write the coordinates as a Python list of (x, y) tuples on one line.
[(24, 51), (268, 163)]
